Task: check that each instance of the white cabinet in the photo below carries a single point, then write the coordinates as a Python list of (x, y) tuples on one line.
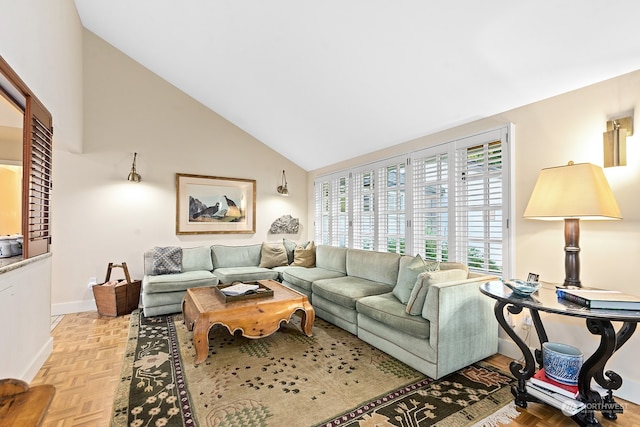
[(25, 318)]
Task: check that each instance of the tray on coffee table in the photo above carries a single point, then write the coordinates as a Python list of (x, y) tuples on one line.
[(262, 292)]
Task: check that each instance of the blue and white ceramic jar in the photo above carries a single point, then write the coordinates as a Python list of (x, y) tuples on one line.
[(562, 362)]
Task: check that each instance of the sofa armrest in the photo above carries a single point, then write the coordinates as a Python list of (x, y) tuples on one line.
[(463, 325)]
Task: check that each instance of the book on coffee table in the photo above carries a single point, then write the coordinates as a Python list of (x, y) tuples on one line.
[(598, 298)]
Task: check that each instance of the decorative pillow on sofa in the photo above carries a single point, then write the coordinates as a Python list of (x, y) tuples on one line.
[(407, 277), (305, 256), (167, 260), (273, 255), (424, 281), (290, 246)]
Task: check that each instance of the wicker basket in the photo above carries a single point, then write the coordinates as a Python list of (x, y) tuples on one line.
[(117, 300)]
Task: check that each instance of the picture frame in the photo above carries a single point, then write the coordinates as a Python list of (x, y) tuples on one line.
[(533, 277), (215, 205)]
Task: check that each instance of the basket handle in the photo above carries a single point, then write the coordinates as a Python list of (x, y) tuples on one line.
[(123, 266)]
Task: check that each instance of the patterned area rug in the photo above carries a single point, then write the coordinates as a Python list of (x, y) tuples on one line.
[(329, 379)]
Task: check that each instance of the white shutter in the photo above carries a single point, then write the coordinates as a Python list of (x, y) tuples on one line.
[(479, 206), (430, 219), (332, 209), (391, 194), (340, 211), (363, 200)]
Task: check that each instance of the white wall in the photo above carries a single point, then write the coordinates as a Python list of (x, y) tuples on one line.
[(100, 217)]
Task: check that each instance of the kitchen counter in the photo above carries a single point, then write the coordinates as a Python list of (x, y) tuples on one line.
[(15, 262)]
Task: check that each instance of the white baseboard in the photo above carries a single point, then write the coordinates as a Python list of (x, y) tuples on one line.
[(37, 362), (73, 307), (630, 390)]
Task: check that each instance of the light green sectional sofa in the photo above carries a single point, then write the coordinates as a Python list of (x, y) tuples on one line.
[(435, 321)]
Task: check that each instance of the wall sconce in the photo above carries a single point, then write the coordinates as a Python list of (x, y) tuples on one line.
[(133, 175), (282, 188), (615, 141)]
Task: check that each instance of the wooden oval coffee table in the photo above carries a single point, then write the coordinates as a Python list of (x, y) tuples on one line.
[(203, 308)]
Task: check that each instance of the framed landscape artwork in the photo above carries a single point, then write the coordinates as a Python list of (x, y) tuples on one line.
[(213, 204)]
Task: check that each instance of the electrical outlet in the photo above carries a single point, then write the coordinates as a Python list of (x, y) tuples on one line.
[(92, 281), (527, 319)]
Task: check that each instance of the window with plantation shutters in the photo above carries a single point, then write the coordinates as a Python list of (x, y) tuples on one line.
[(479, 206), (392, 208), (332, 210), (448, 202), (364, 209), (430, 222)]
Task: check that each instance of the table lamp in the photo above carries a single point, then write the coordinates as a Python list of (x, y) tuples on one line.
[(571, 193)]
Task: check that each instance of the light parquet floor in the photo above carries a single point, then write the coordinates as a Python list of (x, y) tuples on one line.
[(85, 369)]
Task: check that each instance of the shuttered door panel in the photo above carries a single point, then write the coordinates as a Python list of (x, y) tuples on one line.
[(391, 187), (340, 211), (37, 174), (479, 206), (364, 209), (332, 210), (431, 205)]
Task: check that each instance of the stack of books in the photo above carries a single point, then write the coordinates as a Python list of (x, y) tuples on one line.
[(561, 396), (598, 298)]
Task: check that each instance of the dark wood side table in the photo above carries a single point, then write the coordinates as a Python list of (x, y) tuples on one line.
[(598, 322)]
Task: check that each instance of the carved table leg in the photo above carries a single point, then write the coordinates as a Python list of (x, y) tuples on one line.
[(613, 381), (593, 367), (201, 339), (521, 373), (307, 317)]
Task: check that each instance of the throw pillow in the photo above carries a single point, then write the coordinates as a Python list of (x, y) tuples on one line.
[(167, 260), (424, 281), (290, 246), (305, 256), (273, 255), (409, 274)]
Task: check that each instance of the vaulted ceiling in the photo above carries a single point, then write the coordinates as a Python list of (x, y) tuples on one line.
[(325, 81)]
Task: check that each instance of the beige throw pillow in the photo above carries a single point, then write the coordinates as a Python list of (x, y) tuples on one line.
[(273, 255), (305, 256), (425, 280)]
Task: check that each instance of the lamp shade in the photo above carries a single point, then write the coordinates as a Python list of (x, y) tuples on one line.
[(572, 191)]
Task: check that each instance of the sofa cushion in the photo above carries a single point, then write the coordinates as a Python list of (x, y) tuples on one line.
[(375, 266), (178, 281), (194, 259), (236, 256), (332, 258), (305, 256), (167, 260), (303, 277), (410, 268), (346, 290), (387, 309), (244, 274), (273, 255), (424, 281)]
